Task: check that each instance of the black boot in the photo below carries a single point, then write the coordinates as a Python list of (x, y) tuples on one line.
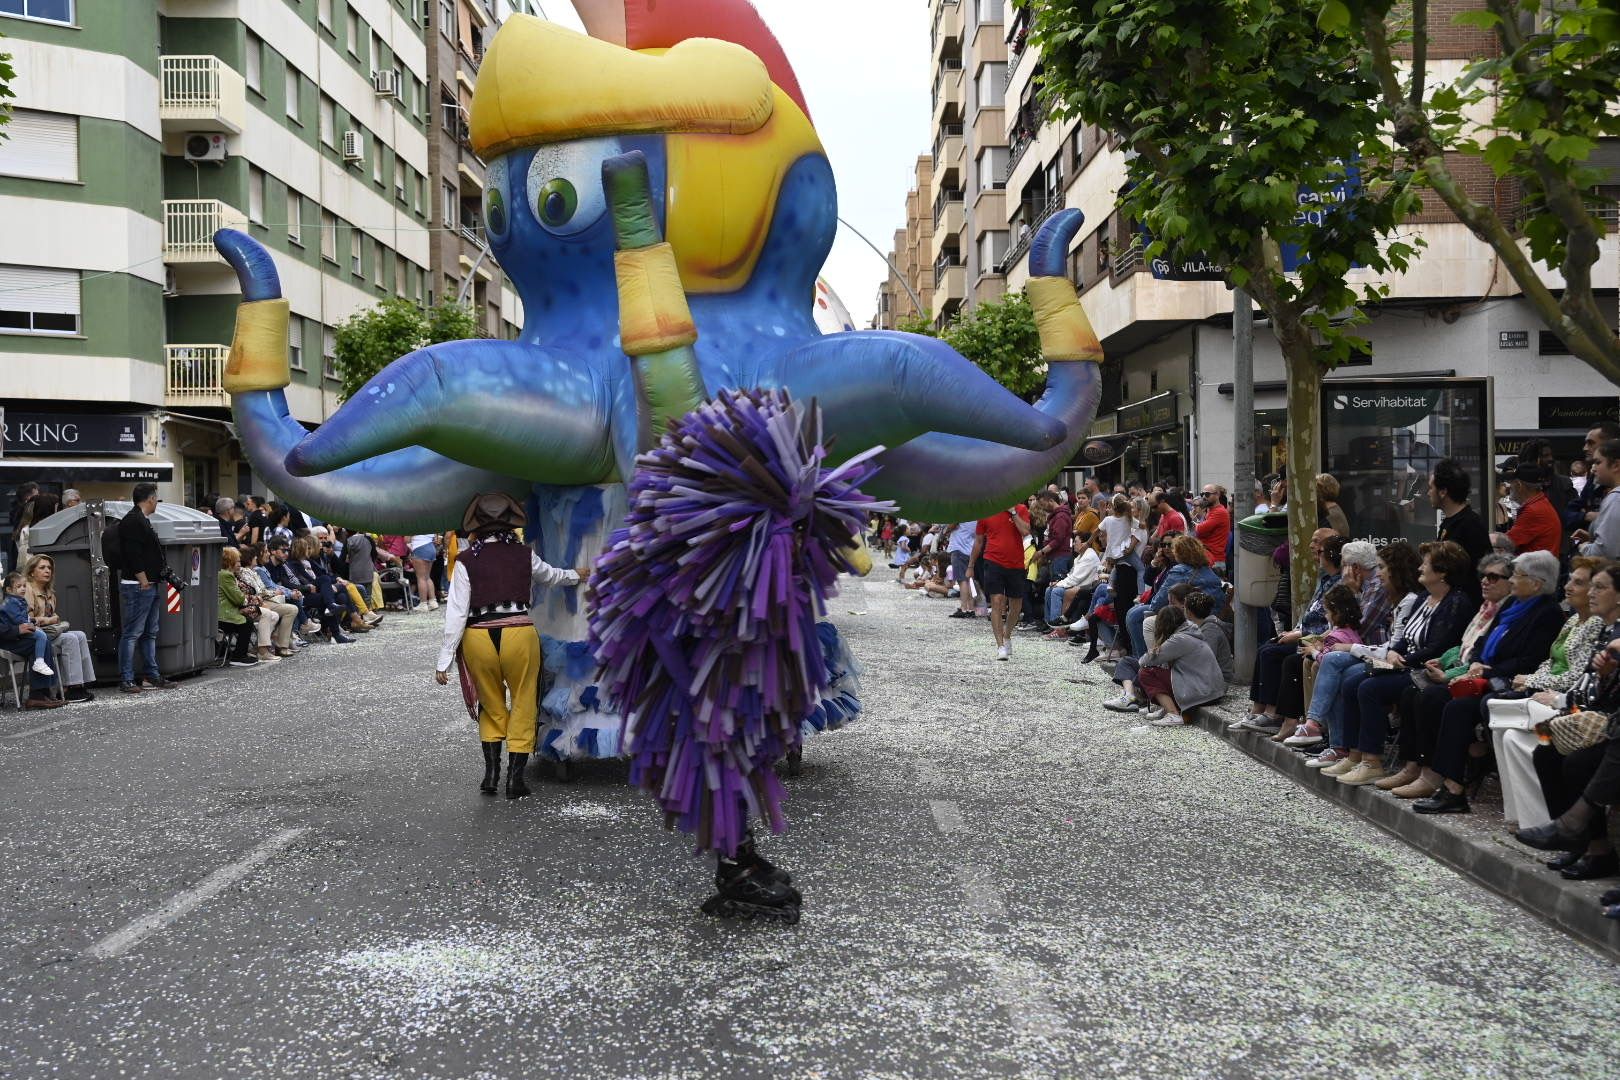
[(515, 787), (745, 890), (492, 768)]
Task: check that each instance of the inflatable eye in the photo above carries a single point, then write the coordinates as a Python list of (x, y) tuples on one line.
[(565, 185), (496, 221)]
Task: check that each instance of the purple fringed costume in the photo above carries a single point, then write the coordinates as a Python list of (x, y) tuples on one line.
[(705, 607)]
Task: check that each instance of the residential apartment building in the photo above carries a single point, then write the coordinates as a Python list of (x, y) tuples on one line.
[(142, 126), (458, 250), (962, 196), (912, 257), (1168, 377)]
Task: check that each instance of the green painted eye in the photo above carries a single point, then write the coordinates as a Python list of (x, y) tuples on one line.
[(555, 203), (495, 211)]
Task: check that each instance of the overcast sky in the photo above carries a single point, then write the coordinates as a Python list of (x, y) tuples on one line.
[(863, 65)]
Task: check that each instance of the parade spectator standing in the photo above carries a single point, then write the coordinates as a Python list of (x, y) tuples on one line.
[(1559, 487), (140, 566), (423, 552), (359, 553), (1590, 498), (1216, 527), (1537, 526), (40, 507), (999, 541), (224, 508), (1055, 552), (1602, 539), (1329, 514), (961, 552), (1459, 523)]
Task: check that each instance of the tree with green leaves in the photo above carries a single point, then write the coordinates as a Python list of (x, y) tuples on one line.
[(997, 335), (1550, 93), (1264, 154), (372, 339), (7, 74)]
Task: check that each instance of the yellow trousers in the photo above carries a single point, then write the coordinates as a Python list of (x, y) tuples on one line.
[(355, 595), (512, 665)]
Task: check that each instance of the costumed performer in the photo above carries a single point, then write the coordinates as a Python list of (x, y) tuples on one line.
[(488, 633)]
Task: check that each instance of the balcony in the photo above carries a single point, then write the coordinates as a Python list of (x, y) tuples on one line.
[(948, 99), (945, 39), (1129, 261), (189, 226), (989, 287), (949, 280), (949, 218), (947, 148), (474, 235), (196, 376), (199, 93), (1034, 214)]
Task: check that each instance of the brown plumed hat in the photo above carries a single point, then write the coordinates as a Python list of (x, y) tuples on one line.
[(493, 511)]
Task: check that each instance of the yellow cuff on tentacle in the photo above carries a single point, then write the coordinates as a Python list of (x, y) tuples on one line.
[(258, 359), (1066, 333), (653, 314)]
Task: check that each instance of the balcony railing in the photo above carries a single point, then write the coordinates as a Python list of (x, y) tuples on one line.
[(1129, 260), (201, 93), (474, 235), (946, 263), (196, 374), (947, 132), (1038, 212), (189, 226), (946, 197)]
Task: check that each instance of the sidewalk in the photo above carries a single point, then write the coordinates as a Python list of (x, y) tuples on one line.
[(1477, 845)]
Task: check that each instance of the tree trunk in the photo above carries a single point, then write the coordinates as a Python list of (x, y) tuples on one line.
[(1304, 456)]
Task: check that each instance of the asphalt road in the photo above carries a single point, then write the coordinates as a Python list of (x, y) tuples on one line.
[(288, 872)]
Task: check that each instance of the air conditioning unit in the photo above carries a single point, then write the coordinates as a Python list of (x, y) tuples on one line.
[(354, 146), (205, 146), (385, 83), (171, 283)]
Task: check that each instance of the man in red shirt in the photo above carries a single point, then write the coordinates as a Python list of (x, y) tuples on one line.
[(999, 540), (1537, 526), (1216, 527)]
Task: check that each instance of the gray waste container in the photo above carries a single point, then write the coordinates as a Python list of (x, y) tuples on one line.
[(1258, 536), (87, 595)]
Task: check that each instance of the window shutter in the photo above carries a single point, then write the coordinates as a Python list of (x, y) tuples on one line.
[(49, 292), (41, 145)]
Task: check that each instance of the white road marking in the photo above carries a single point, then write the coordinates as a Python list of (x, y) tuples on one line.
[(1017, 985), (983, 898), (66, 720), (121, 941), (947, 815)]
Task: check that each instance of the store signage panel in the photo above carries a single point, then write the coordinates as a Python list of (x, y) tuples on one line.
[(1584, 413), (1150, 415), (73, 433)]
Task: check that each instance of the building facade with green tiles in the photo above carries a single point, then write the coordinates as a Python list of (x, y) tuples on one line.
[(139, 128)]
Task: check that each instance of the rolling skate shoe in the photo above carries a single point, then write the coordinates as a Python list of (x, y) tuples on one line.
[(748, 855), (748, 890)]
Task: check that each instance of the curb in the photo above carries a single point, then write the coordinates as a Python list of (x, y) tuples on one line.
[(1500, 864)]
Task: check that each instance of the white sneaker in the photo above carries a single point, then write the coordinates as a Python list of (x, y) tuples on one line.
[(1153, 712), (1079, 626), (1121, 704), (433, 605), (42, 668), (1169, 720), (1003, 652)]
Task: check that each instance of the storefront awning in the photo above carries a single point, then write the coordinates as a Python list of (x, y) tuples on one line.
[(87, 470)]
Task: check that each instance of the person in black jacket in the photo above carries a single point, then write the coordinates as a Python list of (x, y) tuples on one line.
[(140, 569), (1519, 639), (1435, 625), (1448, 493)]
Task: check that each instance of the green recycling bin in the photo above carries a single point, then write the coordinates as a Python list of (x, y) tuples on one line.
[(1257, 575)]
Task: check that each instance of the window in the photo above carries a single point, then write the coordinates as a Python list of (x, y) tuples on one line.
[(416, 284), (379, 260), (329, 353), (295, 223), (328, 121), (57, 11), (993, 168), (255, 64), (376, 163), (376, 51), (992, 249), (449, 108), (295, 342), (41, 145), (990, 11), (255, 195), (34, 300), (400, 169), (420, 193), (991, 86), (328, 235), (323, 12), (399, 275), (447, 18), (291, 90), (354, 252), (447, 206), (353, 24)]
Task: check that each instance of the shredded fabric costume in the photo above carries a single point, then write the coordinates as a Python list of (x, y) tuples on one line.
[(705, 611)]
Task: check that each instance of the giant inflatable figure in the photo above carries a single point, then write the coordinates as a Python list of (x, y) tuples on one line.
[(695, 101)]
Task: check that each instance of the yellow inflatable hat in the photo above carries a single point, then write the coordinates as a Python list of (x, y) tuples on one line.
[(542, 83)]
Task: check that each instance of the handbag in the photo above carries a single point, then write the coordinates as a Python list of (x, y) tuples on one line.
[(1574, 731), (1467, 688)]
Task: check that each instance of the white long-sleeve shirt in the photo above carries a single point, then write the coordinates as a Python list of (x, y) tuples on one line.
[(1087, 565), (457, 604)]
